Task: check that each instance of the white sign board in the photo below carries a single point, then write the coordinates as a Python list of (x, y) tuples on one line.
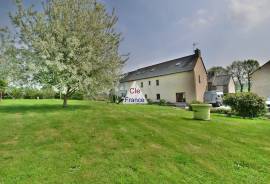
[(134, 95)]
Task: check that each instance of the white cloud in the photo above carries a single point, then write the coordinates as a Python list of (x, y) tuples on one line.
[(249, 13), (200, 19)]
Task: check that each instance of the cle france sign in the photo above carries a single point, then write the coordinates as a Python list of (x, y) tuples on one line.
[(134, 95)]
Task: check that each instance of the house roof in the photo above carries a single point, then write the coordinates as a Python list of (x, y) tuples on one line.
[(261, 67), (179, 65), (220, 80)]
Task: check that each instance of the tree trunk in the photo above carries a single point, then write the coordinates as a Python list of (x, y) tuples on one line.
[(65, 101), (249, 84), (240, 83), (241, 87), (1, 95)]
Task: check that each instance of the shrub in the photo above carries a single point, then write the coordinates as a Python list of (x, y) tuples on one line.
[(31, 93), (15, 93), (162, 102), (47, 93), (150, 102), (116, 99), (77, 96), (113, 98), (221, 111), (246, 104)]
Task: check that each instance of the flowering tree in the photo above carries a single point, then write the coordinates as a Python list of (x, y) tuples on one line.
[(71, 45)]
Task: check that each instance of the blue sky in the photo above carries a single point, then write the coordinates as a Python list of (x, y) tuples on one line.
[(159, 30)]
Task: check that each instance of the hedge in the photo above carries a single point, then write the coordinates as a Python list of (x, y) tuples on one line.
[(246, 104)]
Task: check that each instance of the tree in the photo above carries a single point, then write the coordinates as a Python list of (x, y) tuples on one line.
[(216, 70), (4, 67), (250, 66), (70, 44), (236, 69), (13, 67), (4, 45), (3, 85)]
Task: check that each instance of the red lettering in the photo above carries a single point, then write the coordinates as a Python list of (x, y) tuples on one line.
[(134, 91)]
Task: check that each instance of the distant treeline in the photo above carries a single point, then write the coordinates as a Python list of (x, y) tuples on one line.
[(32, 93)]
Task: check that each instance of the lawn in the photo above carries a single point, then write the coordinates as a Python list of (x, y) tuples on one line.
[(98, 142)]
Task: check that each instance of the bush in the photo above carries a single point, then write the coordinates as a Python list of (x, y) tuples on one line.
[(30, 93), (162, 102), (221, 111), (14, 93), (47, 93), (150, 102), (77, 96), (246, 104), (115, 99)]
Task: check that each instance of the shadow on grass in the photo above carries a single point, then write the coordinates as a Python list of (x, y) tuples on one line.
[(41, 108), (192, 120)]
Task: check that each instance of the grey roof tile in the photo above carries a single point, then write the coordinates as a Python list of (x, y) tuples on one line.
[(179, 65), (221, 80)]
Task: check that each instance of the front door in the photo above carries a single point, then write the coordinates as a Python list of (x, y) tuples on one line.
[(180, 97)]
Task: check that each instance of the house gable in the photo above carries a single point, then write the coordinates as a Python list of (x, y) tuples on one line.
[(260, 81), (200, 79)]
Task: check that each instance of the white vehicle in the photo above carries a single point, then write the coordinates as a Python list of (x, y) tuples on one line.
[(268, 103), (214, 97)]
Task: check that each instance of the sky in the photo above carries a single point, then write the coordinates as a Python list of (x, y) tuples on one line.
[(155, 31)]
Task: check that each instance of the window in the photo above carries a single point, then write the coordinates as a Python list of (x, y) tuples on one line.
[(199, 79), (158, 96), (145, 96), (141, 84), (180, 97), (157, 82), (149, 82)]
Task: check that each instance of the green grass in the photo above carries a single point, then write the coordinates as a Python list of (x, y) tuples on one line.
[(97, 142)]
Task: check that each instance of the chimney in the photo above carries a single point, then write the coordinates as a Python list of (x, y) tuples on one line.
[(197, 53)]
